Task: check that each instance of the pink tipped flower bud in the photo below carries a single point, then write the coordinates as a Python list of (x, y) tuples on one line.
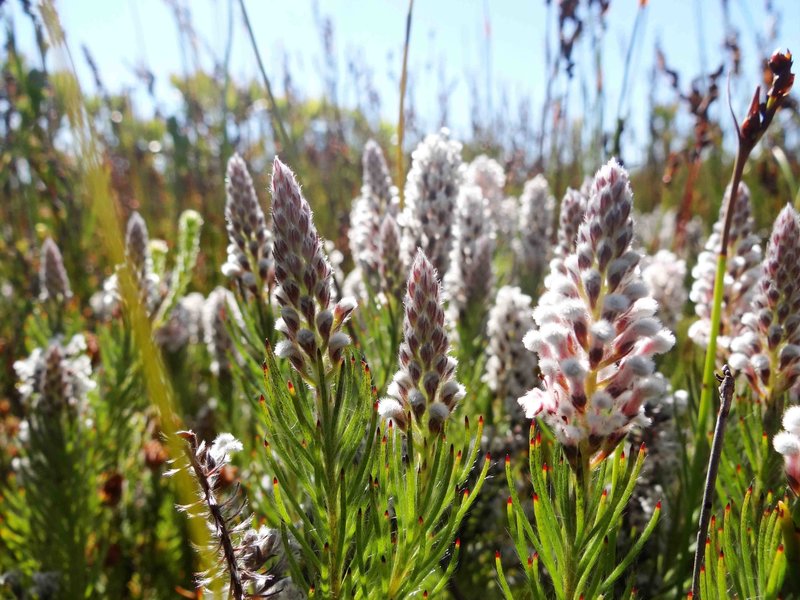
[(597, 330), (767, 350), (392, 267), (137, 249), (741, 274), (56, 378), (664, 273), (378, 201), (426, 374), (573, 208), (489, 176), (53, 280), (249, 252), (431, 193), (469, 281), (510, 368), (535, 225), (303, 274)]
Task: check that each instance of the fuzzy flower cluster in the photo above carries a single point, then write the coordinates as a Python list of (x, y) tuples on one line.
[(664, 274), (249, 253), (57, 377), (183, 325), (597, 331), (489, 176), (787, 443), (431, 194), (510, 368), (252, 560), (374, 235), (535, 225), (741, 275), (425, 381), (469, 281), (304, 280), (656, 229), (139, 259), (573, 209), (767, 349), (53, 280)]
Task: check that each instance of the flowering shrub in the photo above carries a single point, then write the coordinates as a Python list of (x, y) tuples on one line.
[(493, 394)]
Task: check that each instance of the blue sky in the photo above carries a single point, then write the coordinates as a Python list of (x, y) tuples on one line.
[(448, 36)]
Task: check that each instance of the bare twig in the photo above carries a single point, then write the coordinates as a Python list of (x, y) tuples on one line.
[(726, 396), (277, 123), (401, 118)]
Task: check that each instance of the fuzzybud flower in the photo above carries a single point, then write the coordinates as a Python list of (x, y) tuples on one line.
[(488, 175), (656, 230), (425, 381), (664, 274), (56, 378), (218, 310), (392, 267), (597, 331), (469, 281), (431, 193), (573, 209), (378, 201), (53, 280), (249, 252), (137, 251), (140, 262), (510, 368), (304, 279), (251, 561), (767, 349), (787, 443), (741, 274), (535, 226), (183, 324)]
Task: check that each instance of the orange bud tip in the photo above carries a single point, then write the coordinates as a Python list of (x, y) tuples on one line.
[(780, 548), (261, 399), (509, 502), (274, 481), (536, 497), (458, 542), (419, 520), (530, 561), (658, 505), (508, 459), (488, 457), (466, 494), (480, 420), (497, 554), (721, 554)]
